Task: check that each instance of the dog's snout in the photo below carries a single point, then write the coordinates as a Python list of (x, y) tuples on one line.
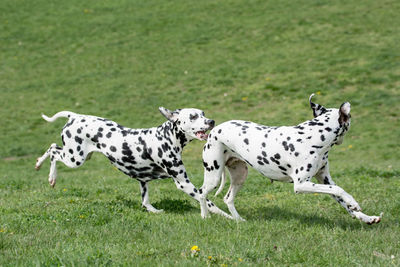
[(211, 123)]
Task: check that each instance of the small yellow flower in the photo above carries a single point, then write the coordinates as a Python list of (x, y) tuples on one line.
[(195, 249), (224, 265), (318, 92), (2, 230), (267, 79), (240, 259), (81, 216), (209, 257), (350, 146), (65, 189), (245, 98)]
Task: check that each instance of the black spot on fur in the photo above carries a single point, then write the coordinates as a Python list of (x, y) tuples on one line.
[(78, 140), (246, 141), (216, 165), (113, 148)]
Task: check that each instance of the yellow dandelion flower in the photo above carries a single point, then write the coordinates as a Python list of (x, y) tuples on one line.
[(318, 92), (209, 257), (81, 216), (245, 98), (240, 259), (350, 146), (65, 189), (2, 230), (195, 249), (267, 79)]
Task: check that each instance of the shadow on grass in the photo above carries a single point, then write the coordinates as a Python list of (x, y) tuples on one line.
[(174, 205), (311, 220), (168, 205)]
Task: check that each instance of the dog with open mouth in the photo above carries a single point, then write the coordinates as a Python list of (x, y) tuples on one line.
[(143, 154)]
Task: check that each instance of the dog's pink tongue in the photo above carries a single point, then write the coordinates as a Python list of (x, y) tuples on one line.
[(202, 135)]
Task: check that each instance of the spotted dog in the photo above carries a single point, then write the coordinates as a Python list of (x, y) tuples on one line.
[(144, 154), (292, 154)]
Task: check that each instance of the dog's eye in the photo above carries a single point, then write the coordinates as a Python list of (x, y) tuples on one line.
[(193, 117)]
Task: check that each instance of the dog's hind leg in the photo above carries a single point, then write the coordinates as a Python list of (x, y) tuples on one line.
[(40, 160), (69, 157), (238, 172), (145, 198)]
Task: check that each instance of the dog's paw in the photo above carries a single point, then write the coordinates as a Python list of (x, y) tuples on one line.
[(205, 216), (154, 210), (367, 219), (240, 219), (151, 209), (37, 165), (374, 219), (53, 183)]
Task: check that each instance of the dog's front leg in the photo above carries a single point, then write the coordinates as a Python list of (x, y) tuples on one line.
[(324, 177), (145, 198), (183, 183)]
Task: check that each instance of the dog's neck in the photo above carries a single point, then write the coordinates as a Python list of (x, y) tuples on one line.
[(170, 131), (331, 130)]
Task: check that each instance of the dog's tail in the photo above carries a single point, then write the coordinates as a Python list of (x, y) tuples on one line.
[(223, 181), (61, 114)]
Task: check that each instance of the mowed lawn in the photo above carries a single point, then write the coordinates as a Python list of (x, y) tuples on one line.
[(251, 60)]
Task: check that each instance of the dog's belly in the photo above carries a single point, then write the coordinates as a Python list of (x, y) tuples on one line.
[(142, 172), (275, 175)]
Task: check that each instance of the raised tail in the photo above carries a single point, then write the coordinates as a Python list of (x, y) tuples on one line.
[(223, 181), (64, 114)]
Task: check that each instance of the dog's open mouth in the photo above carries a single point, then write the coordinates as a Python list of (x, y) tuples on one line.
[(201, 135)]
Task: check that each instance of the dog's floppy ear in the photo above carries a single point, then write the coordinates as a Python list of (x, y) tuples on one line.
[(317, 108), (170, 115), (344, 113)]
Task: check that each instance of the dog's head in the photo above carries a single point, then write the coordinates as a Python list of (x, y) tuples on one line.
[(338, 119), (191, 121)]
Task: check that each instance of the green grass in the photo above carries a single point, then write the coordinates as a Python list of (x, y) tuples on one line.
[(253, 60)]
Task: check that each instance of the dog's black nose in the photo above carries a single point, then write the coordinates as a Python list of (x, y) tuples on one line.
[(211, 123)]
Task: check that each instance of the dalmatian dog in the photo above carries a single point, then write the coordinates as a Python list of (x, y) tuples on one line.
[(144, 154), (292, 154)]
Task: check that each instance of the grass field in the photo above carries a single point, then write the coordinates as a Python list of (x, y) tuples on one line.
[(253, 60)]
